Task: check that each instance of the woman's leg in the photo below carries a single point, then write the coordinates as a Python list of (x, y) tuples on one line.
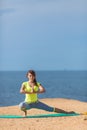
[(45, 107), (24, 107), (57, 110)]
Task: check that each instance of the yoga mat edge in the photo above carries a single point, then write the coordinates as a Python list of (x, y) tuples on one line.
[(39, 116)]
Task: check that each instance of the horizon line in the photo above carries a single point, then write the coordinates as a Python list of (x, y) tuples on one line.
[(49, 70)]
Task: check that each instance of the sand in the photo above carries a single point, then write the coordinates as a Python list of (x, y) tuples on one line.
[(50, 123)]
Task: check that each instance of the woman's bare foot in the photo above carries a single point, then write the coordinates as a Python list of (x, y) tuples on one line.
[(71, 112), (25, 113)]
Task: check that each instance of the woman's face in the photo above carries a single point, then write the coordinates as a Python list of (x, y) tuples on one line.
[(31, 77)]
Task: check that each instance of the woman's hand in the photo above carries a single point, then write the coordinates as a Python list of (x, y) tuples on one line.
[(23, 91), (40, 90)]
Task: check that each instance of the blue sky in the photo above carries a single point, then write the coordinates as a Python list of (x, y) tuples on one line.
[(43, 35)]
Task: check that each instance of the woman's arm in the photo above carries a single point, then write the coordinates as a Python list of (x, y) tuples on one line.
[(22, 90), (41, 89)]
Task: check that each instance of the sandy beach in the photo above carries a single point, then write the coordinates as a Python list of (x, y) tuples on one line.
[(50, 123)]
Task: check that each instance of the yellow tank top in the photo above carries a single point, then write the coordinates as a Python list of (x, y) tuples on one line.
[(30, 98)]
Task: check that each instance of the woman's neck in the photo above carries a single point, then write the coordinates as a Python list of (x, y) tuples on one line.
[(31, 81)]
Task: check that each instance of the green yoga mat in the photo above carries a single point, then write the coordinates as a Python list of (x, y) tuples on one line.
[(39, 116)]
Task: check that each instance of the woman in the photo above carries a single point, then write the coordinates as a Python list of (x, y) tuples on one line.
[(31, 88)]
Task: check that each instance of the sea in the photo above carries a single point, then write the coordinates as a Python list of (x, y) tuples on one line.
[(58, 84)]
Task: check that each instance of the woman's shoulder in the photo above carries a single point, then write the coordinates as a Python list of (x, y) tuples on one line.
[(24, 83)]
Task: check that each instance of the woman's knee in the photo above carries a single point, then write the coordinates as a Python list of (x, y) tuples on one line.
[(22, 106)]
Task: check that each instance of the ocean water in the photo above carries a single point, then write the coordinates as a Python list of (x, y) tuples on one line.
[(58, 84)]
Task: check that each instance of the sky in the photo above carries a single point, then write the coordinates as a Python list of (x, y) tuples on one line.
[(43, 35)]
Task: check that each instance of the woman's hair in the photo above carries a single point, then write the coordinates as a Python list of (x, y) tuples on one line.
[(34, 74)]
